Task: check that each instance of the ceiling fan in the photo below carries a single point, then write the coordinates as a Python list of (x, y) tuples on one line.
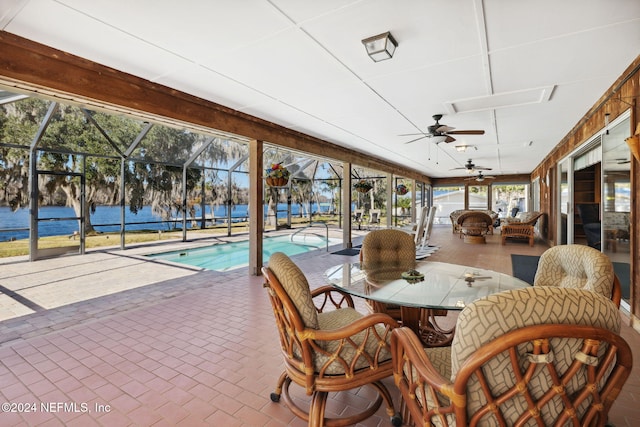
[(470, 167), (480, 177), (442, 133)]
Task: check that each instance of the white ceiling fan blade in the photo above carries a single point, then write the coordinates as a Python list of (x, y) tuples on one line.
[(444, 128), (417, 139)]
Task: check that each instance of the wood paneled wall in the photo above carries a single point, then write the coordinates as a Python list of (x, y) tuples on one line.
[(498, 180), (624, 94)]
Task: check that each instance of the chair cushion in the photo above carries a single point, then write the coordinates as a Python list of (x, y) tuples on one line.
[(494, 315), (576, 266), (529, 218), (295, 284), (336, 319), (440, 358), (393, 248)]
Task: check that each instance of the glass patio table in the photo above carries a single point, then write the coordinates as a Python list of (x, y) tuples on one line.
[(443, 287)]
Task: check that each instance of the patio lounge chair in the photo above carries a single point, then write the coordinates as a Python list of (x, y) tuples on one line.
[(374, 218), (358, 217)]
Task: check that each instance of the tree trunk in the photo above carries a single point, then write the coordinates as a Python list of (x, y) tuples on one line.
[(73, 200)]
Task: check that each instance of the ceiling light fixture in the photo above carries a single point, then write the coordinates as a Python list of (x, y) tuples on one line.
[(438, 139), (380, 47), (463, 148)]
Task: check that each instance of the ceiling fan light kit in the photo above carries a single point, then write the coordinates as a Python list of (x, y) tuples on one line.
[(463, 148), (380, 47), (471, 168), (480, 177), (442, 133)]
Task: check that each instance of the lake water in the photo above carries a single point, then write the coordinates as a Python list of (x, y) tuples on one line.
[(107, 219)]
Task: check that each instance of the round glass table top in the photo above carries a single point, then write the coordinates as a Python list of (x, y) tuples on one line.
[(434, 285)]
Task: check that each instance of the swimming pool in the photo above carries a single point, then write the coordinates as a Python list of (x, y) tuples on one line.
[(229, 256)]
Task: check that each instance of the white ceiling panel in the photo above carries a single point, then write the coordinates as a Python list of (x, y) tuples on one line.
[(199, 81), (301, 64), (512, 24)]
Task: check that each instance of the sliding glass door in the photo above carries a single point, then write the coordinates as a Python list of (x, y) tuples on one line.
[(616, 196), (594, 197), (565, 213)]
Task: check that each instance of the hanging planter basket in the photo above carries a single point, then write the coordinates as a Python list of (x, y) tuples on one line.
[(363, 186), (277, 175), (277, 182), (634, 143), (402, 189)]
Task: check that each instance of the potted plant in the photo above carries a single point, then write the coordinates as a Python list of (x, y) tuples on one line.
[(402, 189), (277, 175), (363, 186)]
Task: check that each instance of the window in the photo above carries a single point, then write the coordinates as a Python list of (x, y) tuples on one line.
[(447, 200)]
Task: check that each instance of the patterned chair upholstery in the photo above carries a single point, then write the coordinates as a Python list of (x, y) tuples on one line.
[(578, 266), (392, 249), (326, 351), (538, 356)]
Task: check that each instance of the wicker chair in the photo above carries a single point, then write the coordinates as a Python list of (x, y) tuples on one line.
[(534, 356), (578, 266), (474, 225), (393, 249), (326, 351), (453, 216), (520, 228)]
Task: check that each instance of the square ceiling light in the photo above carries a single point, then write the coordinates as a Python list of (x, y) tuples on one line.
[(501, 100), (380, 47)]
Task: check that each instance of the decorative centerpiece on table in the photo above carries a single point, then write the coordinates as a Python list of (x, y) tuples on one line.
[(363, 186), (412, 276), (401, 190), (277, 175)]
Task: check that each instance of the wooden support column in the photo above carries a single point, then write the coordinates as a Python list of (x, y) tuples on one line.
[(256, 203), (346, 206), (389, 200)]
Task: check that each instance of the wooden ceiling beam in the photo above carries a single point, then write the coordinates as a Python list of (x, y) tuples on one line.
[(33, 67)]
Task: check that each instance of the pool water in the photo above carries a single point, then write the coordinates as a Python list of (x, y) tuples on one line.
[(229, 256)]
